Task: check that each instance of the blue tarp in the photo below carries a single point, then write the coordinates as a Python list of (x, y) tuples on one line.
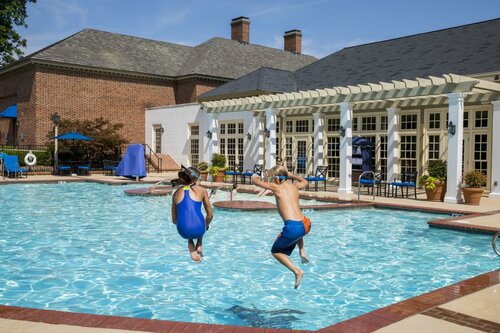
[(72, 136), (132, 164), (366, 147), (10, 112)]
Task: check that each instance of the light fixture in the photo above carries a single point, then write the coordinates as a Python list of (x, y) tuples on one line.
[(56, 118), (342, 131), (162, 129), (451, 128), (209, 134), (267, 133), (249, 136), (22, 136)]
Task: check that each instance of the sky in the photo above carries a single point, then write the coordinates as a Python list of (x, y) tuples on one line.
[(327, 25)]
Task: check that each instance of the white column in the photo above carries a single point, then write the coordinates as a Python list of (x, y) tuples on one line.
[(271, 141), (495, 152), (393, 152), (455, 147), (346, 148), (213, 142), (258, 130), (319, 124)]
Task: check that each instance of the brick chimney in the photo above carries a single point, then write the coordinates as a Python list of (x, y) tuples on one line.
[(240, 29), (293, 41)]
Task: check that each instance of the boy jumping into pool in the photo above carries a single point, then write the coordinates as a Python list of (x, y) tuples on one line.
[(186, 210), (296, 224)]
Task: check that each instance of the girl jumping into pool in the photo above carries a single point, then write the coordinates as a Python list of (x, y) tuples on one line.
[(186, 211), (296, 224)]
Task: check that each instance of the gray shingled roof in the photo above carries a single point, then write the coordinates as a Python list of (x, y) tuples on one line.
[(217, 57), (260, 81), (465, 50), (232, 59)]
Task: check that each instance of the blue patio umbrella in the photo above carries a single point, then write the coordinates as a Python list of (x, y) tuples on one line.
[(73, 136)]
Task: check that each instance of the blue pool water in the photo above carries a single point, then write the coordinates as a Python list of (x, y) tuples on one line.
[(90, 248)]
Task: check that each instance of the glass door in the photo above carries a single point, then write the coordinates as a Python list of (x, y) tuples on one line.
[(301, 166)]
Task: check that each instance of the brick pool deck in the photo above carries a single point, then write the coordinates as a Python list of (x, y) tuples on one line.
[(471, 305)]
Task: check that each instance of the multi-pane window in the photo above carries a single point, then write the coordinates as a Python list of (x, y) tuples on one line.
[(277, 127), (231, 142), (481, 153), (466, 119), (222, 128), (408, 153), (158, 133), (332, 124), (301, 156), (333, 156), (369, 123), (289, 154), (383, 123), (481, 119), (302, 126), (433, 147), (194, 144), (231, 128), (408, 121), (355, 123), (289, 126), (434, 120), (240, 128), (383, 156)]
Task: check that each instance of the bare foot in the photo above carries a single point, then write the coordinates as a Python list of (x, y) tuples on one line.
[(199, 249), (303, 256), (298, 277), (195, 256)]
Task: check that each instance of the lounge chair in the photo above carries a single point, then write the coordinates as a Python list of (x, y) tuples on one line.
[(408, 179), (12, 168), (110, 166), (370, 181), (235, 172), (319, 176), (257, 168)]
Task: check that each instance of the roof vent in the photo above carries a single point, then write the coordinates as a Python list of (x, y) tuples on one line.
[(240, 29)]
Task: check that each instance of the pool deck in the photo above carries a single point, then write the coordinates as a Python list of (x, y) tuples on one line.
[(468, 306)]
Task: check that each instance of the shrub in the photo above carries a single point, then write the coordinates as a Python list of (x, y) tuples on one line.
[(474, 179), (437, 169), (202, 166), (218, 160)]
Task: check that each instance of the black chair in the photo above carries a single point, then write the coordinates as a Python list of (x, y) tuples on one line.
[(110, 166), (257, 168), (408, 180), (235, 171), (319, 176), (370, 181)]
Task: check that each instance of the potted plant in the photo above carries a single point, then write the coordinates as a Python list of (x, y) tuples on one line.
[(434, 182), (203, 167), (218, 167), (472, 187)]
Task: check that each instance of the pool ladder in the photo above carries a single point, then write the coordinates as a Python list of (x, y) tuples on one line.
[(494, 243), (374, 181)]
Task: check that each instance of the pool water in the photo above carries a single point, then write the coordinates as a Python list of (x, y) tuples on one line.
[(90, 248)]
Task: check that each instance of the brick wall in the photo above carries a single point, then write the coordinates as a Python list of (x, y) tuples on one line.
[(83, 95), (187, 91)]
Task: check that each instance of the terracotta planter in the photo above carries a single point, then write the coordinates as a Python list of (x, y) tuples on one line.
[(219, 178), (472, 195), (204, 175), (438, 193)]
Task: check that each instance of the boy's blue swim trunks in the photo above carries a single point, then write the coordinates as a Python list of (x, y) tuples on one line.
[(292, 232)]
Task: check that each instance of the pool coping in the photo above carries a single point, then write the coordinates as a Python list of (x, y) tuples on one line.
[(368, 322)]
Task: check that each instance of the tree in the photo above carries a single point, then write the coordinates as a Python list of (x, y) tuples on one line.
[(12, 13)]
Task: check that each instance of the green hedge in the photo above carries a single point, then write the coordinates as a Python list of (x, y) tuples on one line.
[(42, 157)]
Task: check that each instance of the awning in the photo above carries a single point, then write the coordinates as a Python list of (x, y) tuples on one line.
[(10, 112), (72, 136)]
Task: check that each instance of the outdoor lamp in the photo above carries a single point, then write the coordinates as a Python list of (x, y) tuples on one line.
[(249, 136), (267, 133), (451, 128), (342, 131), (162, 129), (209, 134), (56, 118)]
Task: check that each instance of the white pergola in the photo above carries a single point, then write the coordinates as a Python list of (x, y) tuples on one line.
[(449, 89)]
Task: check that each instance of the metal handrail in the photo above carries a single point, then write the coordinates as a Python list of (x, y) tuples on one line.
[(494, 243), (159, 166), (359, 181)]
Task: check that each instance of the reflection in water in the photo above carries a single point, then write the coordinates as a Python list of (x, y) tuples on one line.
[(262, 318)]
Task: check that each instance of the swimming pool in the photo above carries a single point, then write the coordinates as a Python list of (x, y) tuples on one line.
[(90, 248)]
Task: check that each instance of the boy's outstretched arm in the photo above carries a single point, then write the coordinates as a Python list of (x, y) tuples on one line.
[(301, 182), (257, 181)]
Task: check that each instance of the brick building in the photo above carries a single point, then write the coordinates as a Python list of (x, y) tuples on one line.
[(101, 74)]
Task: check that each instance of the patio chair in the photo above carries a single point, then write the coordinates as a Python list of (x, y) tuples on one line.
[(110, 166), (257, 168), (11, 166), (408, 180), (83, 168), (319, 176), (235, 171), (370, 181)]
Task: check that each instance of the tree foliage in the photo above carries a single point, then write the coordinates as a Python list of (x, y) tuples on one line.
[(12, 13), (106, 144)]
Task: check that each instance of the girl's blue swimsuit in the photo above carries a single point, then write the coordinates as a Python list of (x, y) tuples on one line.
[(190, 220)]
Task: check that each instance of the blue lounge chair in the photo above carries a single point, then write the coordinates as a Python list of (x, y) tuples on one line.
[(319, 176), (11, 166), (235, 172), (370, 181), (257, 168), (408, 179)]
